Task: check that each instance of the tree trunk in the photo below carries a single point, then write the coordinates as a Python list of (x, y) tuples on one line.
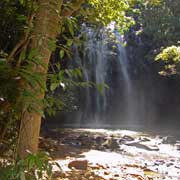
[(45, 28)]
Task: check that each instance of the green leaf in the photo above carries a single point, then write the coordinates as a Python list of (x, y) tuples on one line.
[(21, 2), (61, 53), (33, 53), (100, 88), (21, 17), (69, 42), (70, 27), (54, 86)]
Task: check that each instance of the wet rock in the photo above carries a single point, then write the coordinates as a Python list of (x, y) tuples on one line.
[(58, 174), (111, 144), (82, 137), (62, 151), (159, 162), (144, 139), (169, 164), (47, 143), (100, 139), (177, 166), (86, 141), (116, 175), (99, 142), (78, 164), (72, 141), (153, 148), (106, 173), (177, 147), (125, 139), (169, 140), (100, 166), (142, 146)]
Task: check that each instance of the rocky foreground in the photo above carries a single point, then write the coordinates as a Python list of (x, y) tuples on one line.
[(83, 154)]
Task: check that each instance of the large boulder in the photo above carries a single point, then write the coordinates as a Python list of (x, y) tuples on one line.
[(78, 164)]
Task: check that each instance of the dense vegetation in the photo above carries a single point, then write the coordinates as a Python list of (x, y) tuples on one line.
[(159, 30), (32, 33)]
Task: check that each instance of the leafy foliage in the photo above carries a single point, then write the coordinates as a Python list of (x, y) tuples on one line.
[(111, 10), (157, 26), (171, 53), (171, 57), (159, 21), (31, 168)]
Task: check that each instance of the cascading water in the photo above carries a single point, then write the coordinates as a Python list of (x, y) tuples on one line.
[(104, 61), (128, 89), (94, 64)]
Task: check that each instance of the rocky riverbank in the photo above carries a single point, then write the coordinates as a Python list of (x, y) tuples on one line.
[(112, 155)]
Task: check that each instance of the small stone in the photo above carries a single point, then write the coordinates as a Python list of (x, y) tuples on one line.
[(116, 175), (127, 138), (159, 162), (172, 160), (106, 173), (177, 166), (78, 164), (177, 147), (169, 164)]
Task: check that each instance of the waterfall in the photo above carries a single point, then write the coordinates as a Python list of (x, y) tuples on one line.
[(128, 89), (95, 64), (104, 61)]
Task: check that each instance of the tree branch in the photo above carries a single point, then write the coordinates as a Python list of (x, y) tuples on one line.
[(23, 40)]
